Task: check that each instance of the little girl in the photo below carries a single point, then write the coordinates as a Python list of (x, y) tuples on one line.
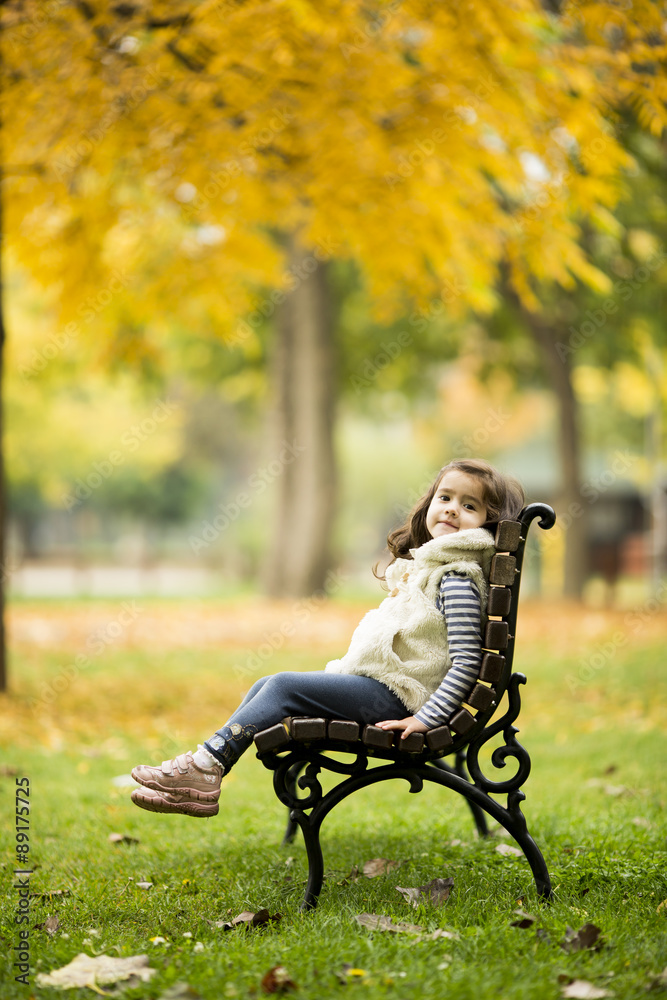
[(411, 662)]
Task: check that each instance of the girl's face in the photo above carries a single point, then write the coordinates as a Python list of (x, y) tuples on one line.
[(457, 505)]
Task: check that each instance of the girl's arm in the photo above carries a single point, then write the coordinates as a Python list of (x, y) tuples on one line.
[(459, 602)]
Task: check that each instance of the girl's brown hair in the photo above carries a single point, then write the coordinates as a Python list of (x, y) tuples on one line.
[(503, 497)]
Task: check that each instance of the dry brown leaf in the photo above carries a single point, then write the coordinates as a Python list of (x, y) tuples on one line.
[(380, 922), (278, 980), (86, 971), (658, 982), (122, 838), (50, 925), (661, 906), (586, 937), (581, 989), (8, 772), (509, 851), (378, 866), (524, 921), (247, 919), (436, 891)]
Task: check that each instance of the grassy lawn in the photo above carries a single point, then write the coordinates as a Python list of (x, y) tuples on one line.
[(593, 721)]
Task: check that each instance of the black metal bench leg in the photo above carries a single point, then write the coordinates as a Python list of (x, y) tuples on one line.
[(291, 780), (478, 814), (311, 838)]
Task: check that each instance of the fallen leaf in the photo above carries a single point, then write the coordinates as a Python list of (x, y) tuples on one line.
[(659, 982), (50, 925), (661, 906), (616, 790), (278, 980), (144, 885), (86, 971), (509, 851), (436, 891), (122, 838), (441, 933), (9, 772), (610, 769), (248, 919), (380, 922), (581, 989), (525, 920), (586, 937), (378, 866)]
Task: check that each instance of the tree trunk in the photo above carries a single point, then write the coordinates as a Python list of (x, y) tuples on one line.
[(303, 374), (571, 510)]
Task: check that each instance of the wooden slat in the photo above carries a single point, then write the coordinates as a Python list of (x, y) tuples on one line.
[(503, 570), (496, 635), (343, 730), (499, 601), (308, 729), (492, 668), (508, 536), (414, 743), (439, 739), (462, 721), (481, 698), (373, 736), (272, 739)]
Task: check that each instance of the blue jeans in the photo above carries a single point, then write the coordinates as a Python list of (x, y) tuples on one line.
[(314, 694)]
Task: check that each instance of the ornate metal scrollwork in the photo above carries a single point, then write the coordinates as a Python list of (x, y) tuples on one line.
[(286, 769), (512, 747)]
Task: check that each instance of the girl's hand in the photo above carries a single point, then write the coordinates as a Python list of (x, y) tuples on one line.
[(409, 725)]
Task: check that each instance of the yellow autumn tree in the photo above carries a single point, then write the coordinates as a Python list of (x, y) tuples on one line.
[(210, 158)]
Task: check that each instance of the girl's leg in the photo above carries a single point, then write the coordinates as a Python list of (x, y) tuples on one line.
[(345, 696), (183, 786)]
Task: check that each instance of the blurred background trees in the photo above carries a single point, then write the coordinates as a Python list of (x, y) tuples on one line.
[(269, 266)]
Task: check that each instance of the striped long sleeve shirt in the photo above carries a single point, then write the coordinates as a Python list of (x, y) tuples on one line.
[(459, 602)]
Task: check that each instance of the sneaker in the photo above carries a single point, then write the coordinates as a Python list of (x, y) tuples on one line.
[(172, 802), (182, 776)]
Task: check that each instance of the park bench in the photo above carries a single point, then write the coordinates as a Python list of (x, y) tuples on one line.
[(297, 749)]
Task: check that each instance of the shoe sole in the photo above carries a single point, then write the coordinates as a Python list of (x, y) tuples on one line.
[(158, 804), (192, 793)]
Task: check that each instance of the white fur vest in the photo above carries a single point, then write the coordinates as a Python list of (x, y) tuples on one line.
[(403, 643)]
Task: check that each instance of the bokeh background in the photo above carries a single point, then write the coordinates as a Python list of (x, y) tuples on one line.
[(265, 271), (267, 265)]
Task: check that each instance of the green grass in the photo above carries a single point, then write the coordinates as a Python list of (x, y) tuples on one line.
[(606, 868)]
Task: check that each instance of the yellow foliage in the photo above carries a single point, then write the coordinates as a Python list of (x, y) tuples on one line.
[(591, 384), (169, 143), (634, 391)]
